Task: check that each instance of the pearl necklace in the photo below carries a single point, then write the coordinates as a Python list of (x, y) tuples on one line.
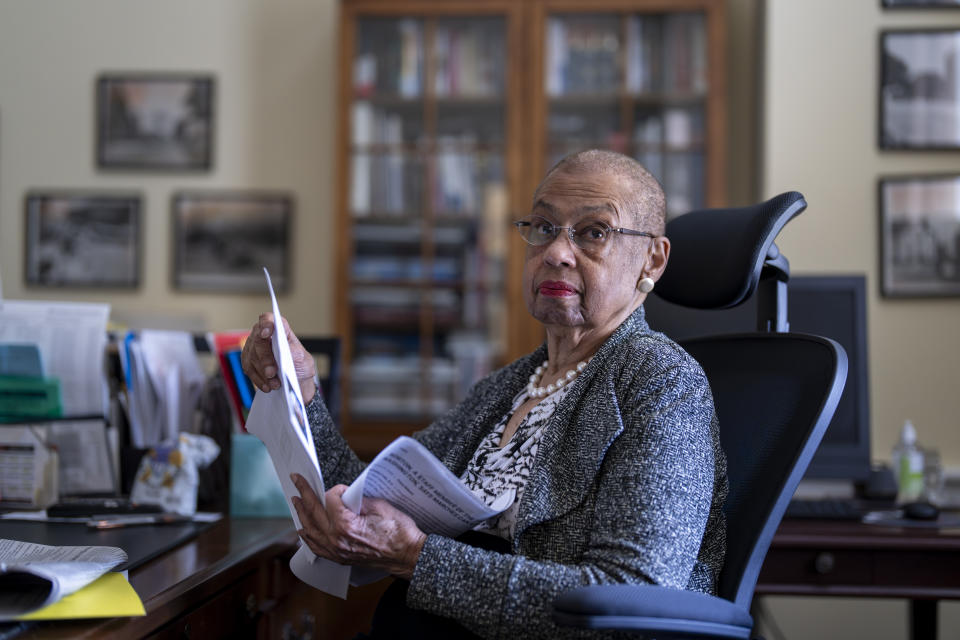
[(539, 392)]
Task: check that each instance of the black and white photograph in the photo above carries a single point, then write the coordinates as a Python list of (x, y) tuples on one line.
[(76, 239), (222, 240), (920, 90), (920, 236), (162, 122)]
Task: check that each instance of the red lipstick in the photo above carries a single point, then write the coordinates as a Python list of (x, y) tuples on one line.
[(556, 288)]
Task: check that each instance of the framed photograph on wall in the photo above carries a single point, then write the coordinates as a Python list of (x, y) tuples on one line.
[(223, 239), (920, 235), (82, 239), (919, 89), (155, 121)]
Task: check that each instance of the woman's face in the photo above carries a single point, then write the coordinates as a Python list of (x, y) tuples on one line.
[(565, 285)]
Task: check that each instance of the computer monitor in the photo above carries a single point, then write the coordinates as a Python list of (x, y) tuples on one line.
[(833, 306)]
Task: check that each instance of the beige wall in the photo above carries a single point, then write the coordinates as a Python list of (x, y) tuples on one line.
[(274, 64), (819, 137), (819, 132)]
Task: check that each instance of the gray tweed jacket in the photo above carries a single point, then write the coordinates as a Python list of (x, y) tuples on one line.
[(627, 487)]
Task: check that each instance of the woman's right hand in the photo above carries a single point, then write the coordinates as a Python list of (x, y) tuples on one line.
[(260, 365)]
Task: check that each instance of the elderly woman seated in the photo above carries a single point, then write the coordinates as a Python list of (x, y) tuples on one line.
[(606, 433)]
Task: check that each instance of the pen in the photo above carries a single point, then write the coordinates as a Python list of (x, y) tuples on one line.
[(118, 521)]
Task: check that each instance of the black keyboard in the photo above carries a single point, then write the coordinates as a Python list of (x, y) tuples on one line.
[(85, 507), (829, 509)]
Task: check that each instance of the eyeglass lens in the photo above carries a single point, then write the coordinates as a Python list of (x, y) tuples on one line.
[(590, 235)]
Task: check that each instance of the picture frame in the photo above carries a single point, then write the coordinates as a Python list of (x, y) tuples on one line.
[(155, 121), (920, 4), (919, 99), (82, 239), (223, 239), (920, 235)]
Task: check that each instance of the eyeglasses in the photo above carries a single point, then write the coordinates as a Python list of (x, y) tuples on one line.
[(589, 235)]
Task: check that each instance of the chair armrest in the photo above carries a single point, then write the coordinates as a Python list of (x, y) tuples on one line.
[(666, 612)]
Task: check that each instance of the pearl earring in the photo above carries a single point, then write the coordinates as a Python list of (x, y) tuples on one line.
[(645, 285)]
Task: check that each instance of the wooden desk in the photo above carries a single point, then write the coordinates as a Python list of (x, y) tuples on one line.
[(842, 558), (232, 580)]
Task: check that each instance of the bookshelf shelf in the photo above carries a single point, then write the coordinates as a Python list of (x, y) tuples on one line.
[(450, 113), (390, 100), (429, 148), (423, 284), (650, 97)]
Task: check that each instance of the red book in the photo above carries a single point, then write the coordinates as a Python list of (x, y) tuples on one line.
[(221, 344)]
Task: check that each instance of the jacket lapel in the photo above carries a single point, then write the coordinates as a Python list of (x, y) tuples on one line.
[(581, 431), (503, 388)]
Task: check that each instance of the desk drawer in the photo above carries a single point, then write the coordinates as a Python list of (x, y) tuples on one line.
[(874, 572), (921, 569), (232, 613), (817, 567)]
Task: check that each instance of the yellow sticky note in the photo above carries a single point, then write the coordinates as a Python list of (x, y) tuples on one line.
[(109, 596)]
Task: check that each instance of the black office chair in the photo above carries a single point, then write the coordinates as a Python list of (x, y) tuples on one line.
[(327, 349), (774, 392)]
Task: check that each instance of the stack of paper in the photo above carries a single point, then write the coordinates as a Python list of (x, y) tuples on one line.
[(164, 381), (43, 582), (71, 338)]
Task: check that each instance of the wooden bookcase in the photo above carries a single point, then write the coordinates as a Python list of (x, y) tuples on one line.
[(449, 114)]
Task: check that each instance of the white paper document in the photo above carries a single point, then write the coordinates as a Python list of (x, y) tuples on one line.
[(166, 381), (60, 570), (279, 419), (71, 338), (405, 474)]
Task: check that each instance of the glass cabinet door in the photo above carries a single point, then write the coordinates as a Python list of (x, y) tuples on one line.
[(427, 212), (636, 83)]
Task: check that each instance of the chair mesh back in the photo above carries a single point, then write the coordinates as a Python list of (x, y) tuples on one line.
[(733, 242), (774, 395)]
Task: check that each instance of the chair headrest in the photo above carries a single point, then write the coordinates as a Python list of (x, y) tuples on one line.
[(716, 255)]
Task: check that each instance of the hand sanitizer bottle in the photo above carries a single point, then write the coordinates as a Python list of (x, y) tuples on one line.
[(908, 465)]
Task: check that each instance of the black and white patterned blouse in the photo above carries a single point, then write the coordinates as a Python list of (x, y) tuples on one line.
[(494, 471)]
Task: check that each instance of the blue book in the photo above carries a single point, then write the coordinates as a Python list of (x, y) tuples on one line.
[(244, 386)]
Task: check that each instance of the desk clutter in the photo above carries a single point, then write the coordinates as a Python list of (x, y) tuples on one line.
[(104, 432), (89, 413)]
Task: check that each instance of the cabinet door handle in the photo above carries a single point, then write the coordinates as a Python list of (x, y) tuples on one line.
[(251, 605)]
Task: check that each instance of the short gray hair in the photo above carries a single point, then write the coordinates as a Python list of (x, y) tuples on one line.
[(645, 199)]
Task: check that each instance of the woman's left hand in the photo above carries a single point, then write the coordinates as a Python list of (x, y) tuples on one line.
[(380, 536)]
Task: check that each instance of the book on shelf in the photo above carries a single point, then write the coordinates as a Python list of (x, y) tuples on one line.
[(644, 54), (685, 54), (222, 343), (389, 59), (582, 56), (666, 53), (469, 61), (405, 268), (244, 386)]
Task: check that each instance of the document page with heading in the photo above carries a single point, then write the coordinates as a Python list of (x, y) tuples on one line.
[(405, 474)]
